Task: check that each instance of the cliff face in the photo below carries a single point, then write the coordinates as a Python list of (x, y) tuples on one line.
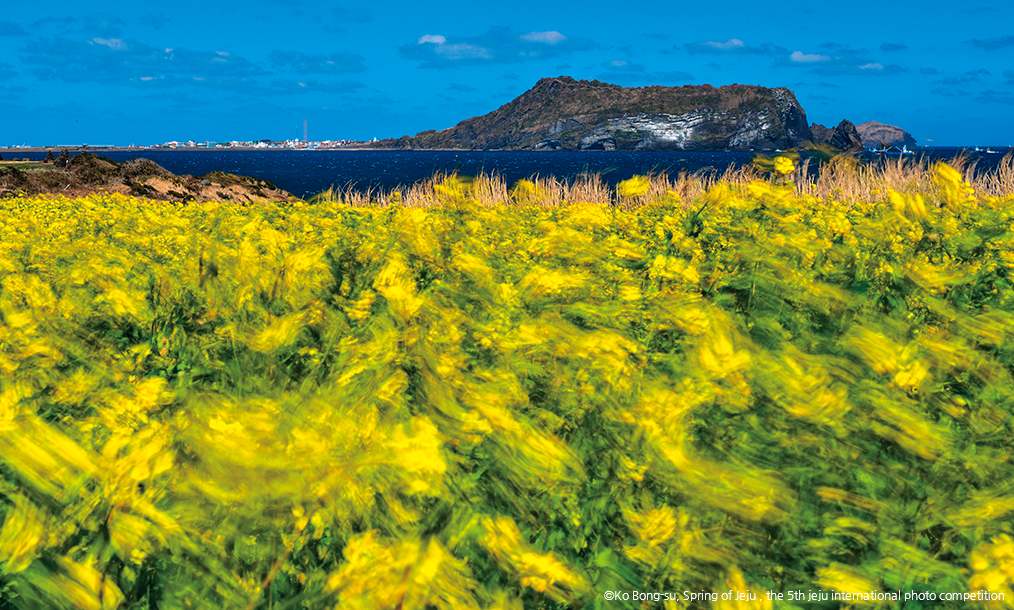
[(566, 114), (874, 133)]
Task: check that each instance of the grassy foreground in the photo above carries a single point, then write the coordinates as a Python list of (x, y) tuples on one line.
[(752, 386)]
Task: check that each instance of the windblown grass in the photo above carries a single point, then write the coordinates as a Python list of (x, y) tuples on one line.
[(843, 177)]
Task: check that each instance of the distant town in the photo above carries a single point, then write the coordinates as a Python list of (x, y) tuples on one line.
[(208, 145)]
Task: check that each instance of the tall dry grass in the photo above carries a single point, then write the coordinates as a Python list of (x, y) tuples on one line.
[(843, 177)]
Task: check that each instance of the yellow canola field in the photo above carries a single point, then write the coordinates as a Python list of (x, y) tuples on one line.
[(467, 406)]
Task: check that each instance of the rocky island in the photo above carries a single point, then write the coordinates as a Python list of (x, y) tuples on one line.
[(874, 133), (567, 114)]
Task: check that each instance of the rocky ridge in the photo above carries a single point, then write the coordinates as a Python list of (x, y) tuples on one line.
[(567, 114)]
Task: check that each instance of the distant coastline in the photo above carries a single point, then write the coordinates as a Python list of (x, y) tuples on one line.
[(9, 152), (95, 150)]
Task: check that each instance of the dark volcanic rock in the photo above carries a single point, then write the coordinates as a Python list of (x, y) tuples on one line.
[(563, 113), (843, 137), (63, 160), (875, 134), (820, 133)]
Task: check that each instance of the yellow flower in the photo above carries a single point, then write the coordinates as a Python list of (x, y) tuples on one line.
[(635, 187), (784, 165)]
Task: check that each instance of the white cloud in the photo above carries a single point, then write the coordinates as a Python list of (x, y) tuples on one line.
[(499, 44), (807, 58), (732, 43), (872, 66), (112, 43), (619, 63), (551, 37), (464, 51)]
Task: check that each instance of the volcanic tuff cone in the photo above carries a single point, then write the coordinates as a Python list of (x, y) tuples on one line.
[(564, 113)]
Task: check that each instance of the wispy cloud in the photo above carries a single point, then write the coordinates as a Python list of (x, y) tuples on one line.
[(9, 28), (127, 62), (948, 92), (929, 71), (890, 47), (290, 86), (462, 88), (991, 96), (303, 63), (454, 51), (552, 37), (972, 76), (829, 58), (852, 68), (123, 61), (620, 65), (733, 46), (61, 24), (807, 58), (993, 44), (113, 43), (498, 45)]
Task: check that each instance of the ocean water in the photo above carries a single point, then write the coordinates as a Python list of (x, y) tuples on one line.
[(305, 172)]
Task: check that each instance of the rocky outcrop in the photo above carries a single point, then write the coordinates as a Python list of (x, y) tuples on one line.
[(63, 160), (875, 134), (85, 174), (843, 137), (820, 133), (567, 114)]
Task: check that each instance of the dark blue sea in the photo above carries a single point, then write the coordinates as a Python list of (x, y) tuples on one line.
[(305, 172)]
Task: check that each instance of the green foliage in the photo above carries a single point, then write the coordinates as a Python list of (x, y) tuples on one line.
[(317, 406)]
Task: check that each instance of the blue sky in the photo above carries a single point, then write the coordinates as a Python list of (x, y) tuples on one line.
[(113, 72)]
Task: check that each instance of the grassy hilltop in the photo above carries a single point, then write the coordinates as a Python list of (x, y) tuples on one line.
[(466, 395)]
